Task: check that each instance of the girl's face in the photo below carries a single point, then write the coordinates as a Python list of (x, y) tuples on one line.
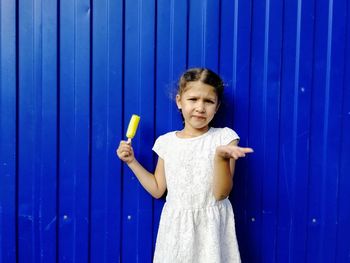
[(199, 104)]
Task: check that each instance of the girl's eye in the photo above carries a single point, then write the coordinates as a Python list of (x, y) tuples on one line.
[(193, 99), (210, 101)]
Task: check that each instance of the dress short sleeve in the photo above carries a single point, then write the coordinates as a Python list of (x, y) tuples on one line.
[(158, 147), (228, 135)]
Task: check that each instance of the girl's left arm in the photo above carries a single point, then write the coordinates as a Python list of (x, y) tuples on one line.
[(224, 166)]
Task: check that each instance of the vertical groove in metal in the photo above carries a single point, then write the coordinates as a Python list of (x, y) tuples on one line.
[(171, 50), (139, 100), (275, 253), (343, 215), (265, 89), (204, 26), (17, 134), (295, 125), (58, 143), (309, 143), (219, 37), (107, 181), (75, 135), (38, 84), (188, 5), (340, 231), (153, 218), (326, 132), (90, 137), (235, 46), (171, 40), (265, 71), (296, 86), (139, 50), (122, 128)]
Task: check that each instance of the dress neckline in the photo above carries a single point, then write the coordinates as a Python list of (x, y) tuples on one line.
[(192, 138)]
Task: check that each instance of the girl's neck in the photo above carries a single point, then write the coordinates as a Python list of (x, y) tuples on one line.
[(191, 133)]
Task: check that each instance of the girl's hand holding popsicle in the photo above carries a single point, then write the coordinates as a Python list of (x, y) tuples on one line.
[(125, 151)]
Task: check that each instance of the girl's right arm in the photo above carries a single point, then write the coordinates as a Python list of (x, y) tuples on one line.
[(155, 183)]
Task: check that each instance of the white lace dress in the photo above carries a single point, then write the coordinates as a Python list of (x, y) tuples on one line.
[(194, 227)]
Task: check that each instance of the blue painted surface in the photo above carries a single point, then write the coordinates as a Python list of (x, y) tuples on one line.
[(73, 72), (106, 118), (8, 132), (36, 144)]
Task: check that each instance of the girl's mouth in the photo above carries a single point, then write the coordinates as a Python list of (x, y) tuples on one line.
[(199, 117)]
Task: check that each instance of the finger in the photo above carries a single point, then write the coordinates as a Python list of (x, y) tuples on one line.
[(125, 148), (234, 155), (125, 154), (120, 150), (246, 150), (127, 151), (238, 151), (123, 143)]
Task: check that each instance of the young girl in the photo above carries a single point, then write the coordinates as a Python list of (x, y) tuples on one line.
[(196, 166)]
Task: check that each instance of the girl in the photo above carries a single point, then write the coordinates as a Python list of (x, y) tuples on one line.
[(196, 166)]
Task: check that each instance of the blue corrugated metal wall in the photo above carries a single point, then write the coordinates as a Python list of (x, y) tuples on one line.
[(73, 72)]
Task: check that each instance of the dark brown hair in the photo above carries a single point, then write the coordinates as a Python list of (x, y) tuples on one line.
[(204, 75)]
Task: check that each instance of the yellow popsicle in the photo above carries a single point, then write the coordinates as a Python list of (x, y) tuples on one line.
[(134, 122)]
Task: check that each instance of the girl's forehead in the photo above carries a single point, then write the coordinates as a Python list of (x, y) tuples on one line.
[(198, 87)]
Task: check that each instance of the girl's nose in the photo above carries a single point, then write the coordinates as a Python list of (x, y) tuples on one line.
[(200, 107)]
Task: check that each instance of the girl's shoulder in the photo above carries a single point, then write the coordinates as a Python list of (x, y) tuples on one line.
[(224, 129), (167, 135), (164, 138), (226, 134), (162, 143)]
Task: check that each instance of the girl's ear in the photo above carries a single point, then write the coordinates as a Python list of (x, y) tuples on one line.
[(178, 101)]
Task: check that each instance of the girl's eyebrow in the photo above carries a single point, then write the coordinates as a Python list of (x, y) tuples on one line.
[(210, 98), (192, 96), (195, 95), (205, 98)]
